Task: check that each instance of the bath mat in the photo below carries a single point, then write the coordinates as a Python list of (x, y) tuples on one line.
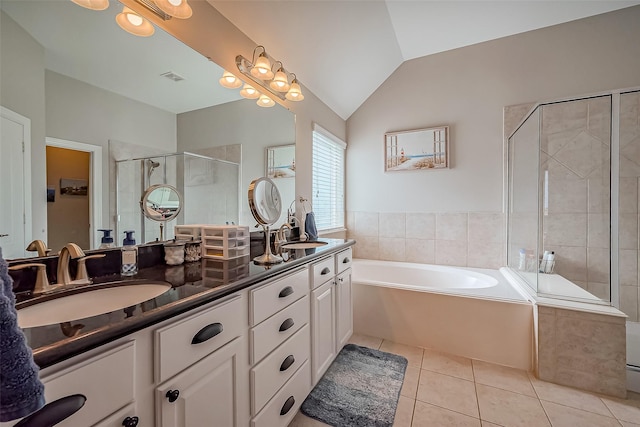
[(361, 388)]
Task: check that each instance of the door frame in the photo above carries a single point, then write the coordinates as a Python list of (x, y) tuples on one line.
[(95, 183), (26, 169)]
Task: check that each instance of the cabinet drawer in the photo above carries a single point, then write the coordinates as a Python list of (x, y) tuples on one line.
[(322, 271), (273, 297), (270, 374), (176, 345), (343, 260), (283, 407), (273, 331), (107, 381), (117, 418)]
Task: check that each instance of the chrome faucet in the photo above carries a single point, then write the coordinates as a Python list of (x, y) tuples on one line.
[(71, 250)]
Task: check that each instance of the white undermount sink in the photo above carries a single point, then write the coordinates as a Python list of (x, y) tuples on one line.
[(302, 245), (89, 303)]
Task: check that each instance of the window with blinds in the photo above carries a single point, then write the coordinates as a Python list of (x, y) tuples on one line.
[(328, 180)]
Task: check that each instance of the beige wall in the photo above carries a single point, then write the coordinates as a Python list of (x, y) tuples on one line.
[(467, 89), (22, 91)]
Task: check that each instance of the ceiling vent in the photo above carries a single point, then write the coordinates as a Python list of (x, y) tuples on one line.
[(172, 76)]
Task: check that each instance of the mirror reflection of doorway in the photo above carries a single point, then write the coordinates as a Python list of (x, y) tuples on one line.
[(67, 214)]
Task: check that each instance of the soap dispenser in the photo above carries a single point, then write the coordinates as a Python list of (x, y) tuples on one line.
[(107, 240), (129, 255)]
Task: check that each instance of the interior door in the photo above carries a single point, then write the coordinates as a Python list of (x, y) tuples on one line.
[(12, 190)]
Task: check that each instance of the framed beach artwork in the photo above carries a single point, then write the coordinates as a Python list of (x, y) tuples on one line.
[(417, 149), (281, 161)]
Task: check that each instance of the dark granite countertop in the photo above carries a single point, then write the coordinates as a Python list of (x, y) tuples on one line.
[(193, 285)]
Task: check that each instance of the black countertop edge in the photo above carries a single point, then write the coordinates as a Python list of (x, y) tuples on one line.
[(62, 350)]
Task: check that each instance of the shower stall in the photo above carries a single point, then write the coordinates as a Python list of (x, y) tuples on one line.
[(210, 190), (574, 174)]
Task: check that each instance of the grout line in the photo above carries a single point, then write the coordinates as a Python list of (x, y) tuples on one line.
[(475, 388)]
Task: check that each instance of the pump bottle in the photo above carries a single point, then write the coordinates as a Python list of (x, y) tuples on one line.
[(129, 255), (107, 240)]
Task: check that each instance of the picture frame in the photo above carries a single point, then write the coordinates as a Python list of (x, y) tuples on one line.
[(281, 161), (73, 187), (417, 149)]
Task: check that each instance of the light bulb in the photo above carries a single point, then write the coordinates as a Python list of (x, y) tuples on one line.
[(280, 81), (295, 93), (265, 101), (133, 23), (249, 92), (93, 4), (177, 8), (230, 81), (262, 68)]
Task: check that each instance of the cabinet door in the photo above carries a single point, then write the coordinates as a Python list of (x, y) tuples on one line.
[(208, 393), (344, 309), (323, 329)]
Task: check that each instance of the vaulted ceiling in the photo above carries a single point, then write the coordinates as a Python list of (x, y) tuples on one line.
[(344, 50)]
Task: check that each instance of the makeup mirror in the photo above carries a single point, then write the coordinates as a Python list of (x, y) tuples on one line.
[(265, 205), (161, 203)]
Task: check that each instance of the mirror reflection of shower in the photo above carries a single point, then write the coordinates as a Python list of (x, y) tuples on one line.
[(151, 165)]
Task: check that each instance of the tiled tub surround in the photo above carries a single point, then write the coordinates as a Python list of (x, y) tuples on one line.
[(462, 239), (582, 350)]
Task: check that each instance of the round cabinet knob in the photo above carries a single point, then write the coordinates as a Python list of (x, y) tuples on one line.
[(172, 395), (130, 422)]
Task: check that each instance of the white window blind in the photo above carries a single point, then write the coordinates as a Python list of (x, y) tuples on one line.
[(328, 180)]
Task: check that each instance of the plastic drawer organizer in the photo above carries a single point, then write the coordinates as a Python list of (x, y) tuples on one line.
[(218, 241)]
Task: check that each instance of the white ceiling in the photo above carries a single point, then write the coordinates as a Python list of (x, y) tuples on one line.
[(341, 50)]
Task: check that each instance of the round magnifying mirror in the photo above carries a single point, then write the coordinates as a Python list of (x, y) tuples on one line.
[(264, 201), (265, 205), (161, 202)]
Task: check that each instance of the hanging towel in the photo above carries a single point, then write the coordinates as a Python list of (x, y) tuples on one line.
[(21, 391), (310, 226)]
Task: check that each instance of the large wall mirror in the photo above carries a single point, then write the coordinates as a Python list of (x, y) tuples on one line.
[(86, 81)]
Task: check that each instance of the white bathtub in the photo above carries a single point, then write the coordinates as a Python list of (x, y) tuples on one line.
[(474, 313)]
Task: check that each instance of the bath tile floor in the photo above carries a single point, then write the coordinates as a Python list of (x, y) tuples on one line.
[(445, 390)]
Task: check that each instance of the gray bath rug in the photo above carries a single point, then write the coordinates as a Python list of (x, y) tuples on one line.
[(361, 388)]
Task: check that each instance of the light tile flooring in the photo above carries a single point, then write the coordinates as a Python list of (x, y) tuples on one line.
[(445, 390)]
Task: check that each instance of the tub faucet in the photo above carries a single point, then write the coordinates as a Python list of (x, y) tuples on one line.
[(71, 250)]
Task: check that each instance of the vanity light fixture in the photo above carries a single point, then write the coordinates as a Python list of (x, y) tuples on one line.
[(230, 81), (265, 101), (93, 4), (177, 8), (259, 70), (133, 23), (249, 92)]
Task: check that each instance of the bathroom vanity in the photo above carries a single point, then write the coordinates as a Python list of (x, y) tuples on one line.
[(231, 343)]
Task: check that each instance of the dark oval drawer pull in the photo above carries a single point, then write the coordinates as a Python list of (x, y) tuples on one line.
[(285, 292), (54, 412), (130, 422), (290, 360), (172, 395), (207, 333), (346, 260), (287, 405), (286, 324), (325, 270)]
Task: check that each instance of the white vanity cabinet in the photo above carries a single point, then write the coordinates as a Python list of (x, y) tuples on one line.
[(279, 341), (344, 298), (331, 310), (201, 362)]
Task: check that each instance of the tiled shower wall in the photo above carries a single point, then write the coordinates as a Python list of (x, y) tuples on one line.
[(629, 203), (574, 156), (463, 239)]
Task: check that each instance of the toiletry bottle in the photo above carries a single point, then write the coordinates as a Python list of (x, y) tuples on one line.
[(522, 260), (543, 262), (129, 255), (550, 263), (107, 241)]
